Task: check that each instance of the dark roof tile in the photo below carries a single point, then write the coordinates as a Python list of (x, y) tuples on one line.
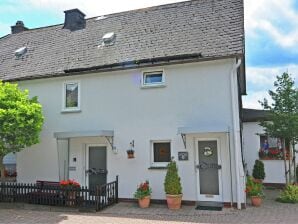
[(212, 28)]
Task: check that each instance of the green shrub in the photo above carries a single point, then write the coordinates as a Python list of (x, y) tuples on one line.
[(253, 188), (289, 194), (259, 170), (297, 174), (172, 182)]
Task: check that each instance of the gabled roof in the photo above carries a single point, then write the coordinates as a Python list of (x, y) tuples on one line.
[(191, 30), (254, 115)]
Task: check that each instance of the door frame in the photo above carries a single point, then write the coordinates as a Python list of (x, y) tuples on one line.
[(87, 160), (203, 197)]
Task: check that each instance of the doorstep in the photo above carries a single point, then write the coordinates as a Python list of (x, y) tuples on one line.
[(210, 206)]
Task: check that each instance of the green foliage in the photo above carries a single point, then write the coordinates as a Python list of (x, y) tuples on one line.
[(253, 188), (172, 182), (283, 118), (289, 194), (21, 118), (258, 170), (297, 174), (143, 190)]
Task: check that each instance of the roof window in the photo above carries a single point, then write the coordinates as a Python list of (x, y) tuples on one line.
[(108, 39), (20, 52)]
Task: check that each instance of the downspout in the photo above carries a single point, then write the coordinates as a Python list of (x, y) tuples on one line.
[(236, 129)]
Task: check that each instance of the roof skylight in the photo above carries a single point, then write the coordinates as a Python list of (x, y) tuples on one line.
[(109, 38), (21, 51)]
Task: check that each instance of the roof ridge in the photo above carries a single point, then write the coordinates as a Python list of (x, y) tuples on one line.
[(151, 8)]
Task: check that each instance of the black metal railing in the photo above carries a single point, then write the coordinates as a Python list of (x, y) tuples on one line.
[(96, 198)]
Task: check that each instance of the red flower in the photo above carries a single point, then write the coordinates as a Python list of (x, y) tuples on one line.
[(65, 183)]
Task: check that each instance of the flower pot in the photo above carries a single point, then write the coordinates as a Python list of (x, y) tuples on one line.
[(256, 201), (130, 155), (174, 201), (144, 202)]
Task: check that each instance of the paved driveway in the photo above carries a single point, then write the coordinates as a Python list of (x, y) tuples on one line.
[(128, 213)]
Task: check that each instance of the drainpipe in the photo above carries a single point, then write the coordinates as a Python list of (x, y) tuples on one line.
[(236, 128)]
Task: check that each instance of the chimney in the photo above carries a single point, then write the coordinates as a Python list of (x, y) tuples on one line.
[(74, 20), (18, 28)]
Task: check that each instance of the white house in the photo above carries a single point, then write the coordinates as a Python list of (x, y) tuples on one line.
[(168, 79), (253, 139)]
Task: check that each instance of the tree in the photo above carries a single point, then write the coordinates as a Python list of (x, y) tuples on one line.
[(172, 182), (21, 119), (258, 171), (283, 116)]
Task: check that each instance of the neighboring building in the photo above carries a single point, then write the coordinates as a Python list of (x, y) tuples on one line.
[(168, 79), (254, 138)]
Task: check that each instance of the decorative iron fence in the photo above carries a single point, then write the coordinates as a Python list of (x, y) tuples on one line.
[(96, 198)]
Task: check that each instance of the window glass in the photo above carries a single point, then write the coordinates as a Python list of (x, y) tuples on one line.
[(162, 151), (71, 95), (268, 142), (153, 78)]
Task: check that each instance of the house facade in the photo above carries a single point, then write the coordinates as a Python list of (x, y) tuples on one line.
[(165, 82), (254, 138)]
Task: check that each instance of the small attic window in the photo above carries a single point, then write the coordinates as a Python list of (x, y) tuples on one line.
[(108, 38), (20, 52)]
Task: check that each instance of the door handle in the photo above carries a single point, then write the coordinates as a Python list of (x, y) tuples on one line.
[(203, 166)]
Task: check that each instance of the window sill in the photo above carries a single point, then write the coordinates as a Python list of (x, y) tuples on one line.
[(157, 168), (153, 86), (71, 111)]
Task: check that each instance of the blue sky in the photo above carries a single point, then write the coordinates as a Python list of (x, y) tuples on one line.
[(271, 32)]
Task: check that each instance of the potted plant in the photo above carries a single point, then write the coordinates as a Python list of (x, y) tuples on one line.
[(71, 189), (130, 154), (172, 186), (258, 171), (143, 194), (130, 151), (255, 191)]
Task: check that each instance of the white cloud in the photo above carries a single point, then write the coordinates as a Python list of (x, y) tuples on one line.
[(261, 80), (253, 98), (276, 18), (260, 76)]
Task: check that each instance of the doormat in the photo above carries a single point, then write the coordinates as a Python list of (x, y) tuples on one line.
[(210, 206)]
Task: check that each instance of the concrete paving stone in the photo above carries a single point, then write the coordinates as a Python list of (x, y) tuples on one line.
[(129, 213)]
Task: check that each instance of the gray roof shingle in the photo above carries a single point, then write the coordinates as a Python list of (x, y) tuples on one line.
[(213, 29)]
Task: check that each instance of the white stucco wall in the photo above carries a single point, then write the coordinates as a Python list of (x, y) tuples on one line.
[(196, 94), (274, 169)]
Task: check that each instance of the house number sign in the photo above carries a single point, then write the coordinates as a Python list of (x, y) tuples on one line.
[(182, 156)]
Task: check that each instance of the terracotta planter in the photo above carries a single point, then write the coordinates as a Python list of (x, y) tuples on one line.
[(256, 201), (130, 155), (174, 201), (144, 202)]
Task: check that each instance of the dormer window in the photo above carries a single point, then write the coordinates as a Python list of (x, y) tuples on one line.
[(71, 96), (153, 79)]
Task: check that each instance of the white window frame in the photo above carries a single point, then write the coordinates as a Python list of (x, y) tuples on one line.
[(71, 109), (157, 84), (159, 164)]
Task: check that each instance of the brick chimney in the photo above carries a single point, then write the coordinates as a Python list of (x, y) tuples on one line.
[(74, 20), (18, 28)]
